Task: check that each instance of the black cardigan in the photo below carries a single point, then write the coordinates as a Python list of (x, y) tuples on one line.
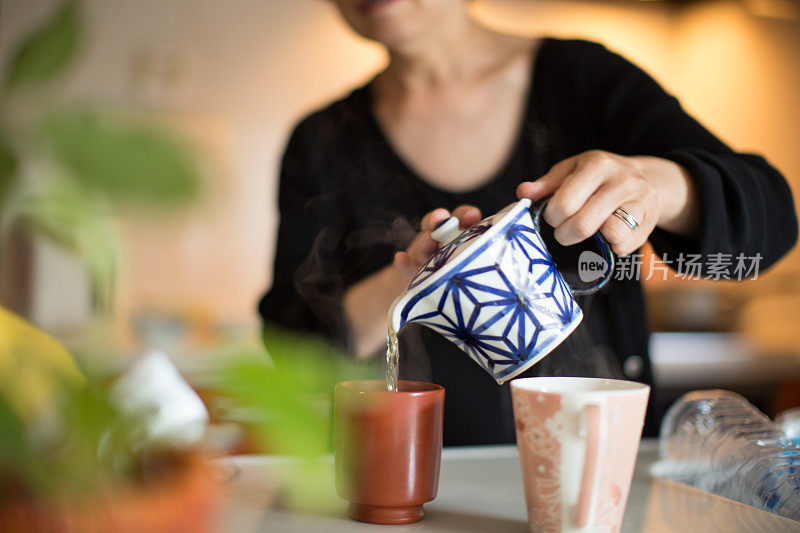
[(348, 203)]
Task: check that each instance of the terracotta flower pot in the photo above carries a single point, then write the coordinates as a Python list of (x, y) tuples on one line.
[(182, 503)]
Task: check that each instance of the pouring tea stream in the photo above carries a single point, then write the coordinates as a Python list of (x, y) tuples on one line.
[(494, 290)]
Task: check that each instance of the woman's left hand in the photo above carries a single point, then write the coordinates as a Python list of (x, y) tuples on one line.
[(587, 188)]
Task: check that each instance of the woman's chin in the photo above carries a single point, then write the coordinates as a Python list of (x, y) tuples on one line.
[(377, 7), (390, 37), (389, 22)]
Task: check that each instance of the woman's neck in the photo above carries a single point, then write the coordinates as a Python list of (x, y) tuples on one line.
[(457, 50)]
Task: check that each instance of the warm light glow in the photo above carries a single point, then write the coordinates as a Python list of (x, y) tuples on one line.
[(777, 9), (732, 63)]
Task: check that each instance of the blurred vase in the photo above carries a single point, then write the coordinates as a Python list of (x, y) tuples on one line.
[(181, 502)]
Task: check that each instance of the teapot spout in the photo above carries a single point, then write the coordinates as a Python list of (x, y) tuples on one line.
[(409, 307), (395, 314)]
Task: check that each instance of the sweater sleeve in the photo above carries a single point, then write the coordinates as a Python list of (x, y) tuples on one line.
[(307, 289), (746, 205)]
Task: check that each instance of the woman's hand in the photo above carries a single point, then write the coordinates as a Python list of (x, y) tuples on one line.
[(409, 262), (366, 302), (587, 188)]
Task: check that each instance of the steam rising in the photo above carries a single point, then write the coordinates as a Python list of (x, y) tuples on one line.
[(321, 281), (398, 234), (322, 278)]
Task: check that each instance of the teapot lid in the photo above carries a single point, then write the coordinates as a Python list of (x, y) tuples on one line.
[(465, 244)]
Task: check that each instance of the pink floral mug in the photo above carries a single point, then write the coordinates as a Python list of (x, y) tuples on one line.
[(578, 439)]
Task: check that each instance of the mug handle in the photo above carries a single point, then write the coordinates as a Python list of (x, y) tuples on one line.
[(591, 465), (602, 246)]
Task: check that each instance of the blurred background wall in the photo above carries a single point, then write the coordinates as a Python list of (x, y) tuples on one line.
[(236, 74)]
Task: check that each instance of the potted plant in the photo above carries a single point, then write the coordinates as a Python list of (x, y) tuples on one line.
[(70, 458), (281, 393), (74, 459), (68, 167)]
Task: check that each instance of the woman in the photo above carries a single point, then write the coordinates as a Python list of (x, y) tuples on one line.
[(461, 119)]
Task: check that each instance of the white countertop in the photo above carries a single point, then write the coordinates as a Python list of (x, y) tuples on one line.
[(480, 490)]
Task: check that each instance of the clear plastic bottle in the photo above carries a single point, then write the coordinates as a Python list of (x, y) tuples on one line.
[(718, 442), (789, 421)]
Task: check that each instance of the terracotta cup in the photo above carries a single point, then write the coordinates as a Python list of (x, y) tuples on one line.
[(387, 448), (578, 439)]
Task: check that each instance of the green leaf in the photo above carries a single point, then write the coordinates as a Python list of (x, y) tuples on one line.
[(8, 164), (89, 415), (48, 51), (289, 394), (18, 463), (70, 217), (286, 399), (288, 422), (129, 162)]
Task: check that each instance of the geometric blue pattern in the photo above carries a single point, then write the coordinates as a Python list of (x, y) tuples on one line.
[(504, 302), (445, 253)]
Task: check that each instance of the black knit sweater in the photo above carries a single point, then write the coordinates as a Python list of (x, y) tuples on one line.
[(348, 202)]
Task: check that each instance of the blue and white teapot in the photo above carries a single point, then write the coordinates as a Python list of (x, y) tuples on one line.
[(494, 290)]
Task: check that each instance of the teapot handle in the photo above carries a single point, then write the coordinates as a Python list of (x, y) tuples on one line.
[(602, 246)]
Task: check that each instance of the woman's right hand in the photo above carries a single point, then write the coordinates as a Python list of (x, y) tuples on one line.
[(366, 302), (422, 247)]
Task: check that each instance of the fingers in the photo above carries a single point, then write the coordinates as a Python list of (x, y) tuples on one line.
[(405, 266), (433, 218), (621, 237), (598, 215), (408, 263), (421, 248), (588, 175), (467, 215), (547, 184), (424, 245), (572, 225), (586, 190)]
